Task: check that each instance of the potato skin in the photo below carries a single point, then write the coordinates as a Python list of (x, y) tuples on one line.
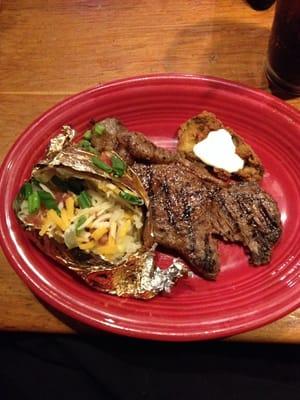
[(197, 128)]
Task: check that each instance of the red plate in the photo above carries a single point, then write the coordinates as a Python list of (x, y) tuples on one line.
[(243, 297)]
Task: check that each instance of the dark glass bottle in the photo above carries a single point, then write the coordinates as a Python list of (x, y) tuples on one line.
[(260, 4), (283, 65)]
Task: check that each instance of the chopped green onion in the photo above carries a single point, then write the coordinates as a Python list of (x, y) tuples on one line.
[(35, 182), (45, 196), (86, 145), (48, 200), (98, 128), (26, 190), (102, 165), (81, 220), (88, 134), (118, 166), (84, 200), (137, 201), (34, 202)]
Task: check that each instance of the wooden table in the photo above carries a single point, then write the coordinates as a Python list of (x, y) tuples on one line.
[(49, 50)]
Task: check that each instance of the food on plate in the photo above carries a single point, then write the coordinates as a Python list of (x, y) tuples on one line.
[(204, 138), (100, 206), (190, 216), (87, 211), (190, 208)]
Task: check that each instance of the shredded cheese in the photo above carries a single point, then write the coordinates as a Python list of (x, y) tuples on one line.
[(124, 229), (87, 246), (45, 226), (109, 248), (70, 207), (107, 216), (64, 218), (53, 217), (98, 233)]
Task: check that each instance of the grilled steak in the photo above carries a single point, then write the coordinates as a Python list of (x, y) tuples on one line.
[(180, 207), (191, 210), (189, 216), (246, 214)]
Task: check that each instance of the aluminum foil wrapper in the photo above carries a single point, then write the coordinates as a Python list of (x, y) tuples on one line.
[(137, 276), (58, 143)]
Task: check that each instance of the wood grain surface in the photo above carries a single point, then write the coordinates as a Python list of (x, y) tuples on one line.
[(51, 49)]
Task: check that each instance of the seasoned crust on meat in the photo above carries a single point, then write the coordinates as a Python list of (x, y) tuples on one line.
[(190, 215), (197, 128)]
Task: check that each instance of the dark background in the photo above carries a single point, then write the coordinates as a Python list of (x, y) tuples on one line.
[(105, 366)]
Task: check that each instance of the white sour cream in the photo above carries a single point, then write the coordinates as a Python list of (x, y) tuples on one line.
[(218, 150)]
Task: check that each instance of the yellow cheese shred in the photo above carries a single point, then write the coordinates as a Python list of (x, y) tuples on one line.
[(109, 248), (87, 246), (124, 229), (64, 218), (98, 233), (53, 217), (45, 226), (70, 207)]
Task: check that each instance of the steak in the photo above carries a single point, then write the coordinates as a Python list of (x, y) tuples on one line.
[(189, 216), (132, 146), (246, 214), (179, 206), (190, 209)]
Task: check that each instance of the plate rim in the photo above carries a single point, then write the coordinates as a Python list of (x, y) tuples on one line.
[(113, 328)]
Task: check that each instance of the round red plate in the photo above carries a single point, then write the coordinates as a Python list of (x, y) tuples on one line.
[(243, 297)]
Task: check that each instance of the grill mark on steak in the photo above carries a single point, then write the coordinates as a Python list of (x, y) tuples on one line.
[(166, 192), (248, 205), (190, 210), (234, 227), (208, 250), (187, 211), (268, 217)]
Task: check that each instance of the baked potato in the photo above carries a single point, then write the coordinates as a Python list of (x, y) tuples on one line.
[(88, 212)]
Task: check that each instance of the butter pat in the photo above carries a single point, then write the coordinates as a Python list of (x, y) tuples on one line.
[(218, 150)]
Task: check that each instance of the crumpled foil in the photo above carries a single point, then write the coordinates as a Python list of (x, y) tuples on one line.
[(137, 276), (58, 143)]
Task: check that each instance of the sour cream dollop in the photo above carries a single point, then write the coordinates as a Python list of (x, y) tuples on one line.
[(218, 150)]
